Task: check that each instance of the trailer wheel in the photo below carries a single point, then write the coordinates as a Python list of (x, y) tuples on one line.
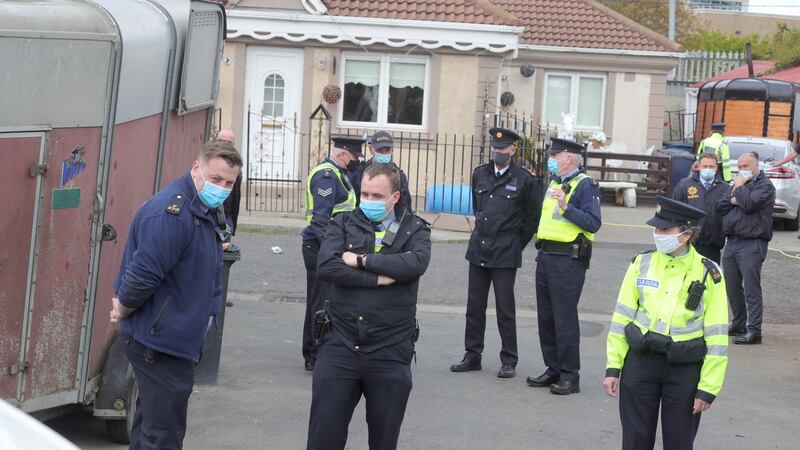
[(120, 430), (792, 224)]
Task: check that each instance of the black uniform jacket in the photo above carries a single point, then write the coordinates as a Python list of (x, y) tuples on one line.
[(507, 210), (690, 190), (364, 315), (751, 216)]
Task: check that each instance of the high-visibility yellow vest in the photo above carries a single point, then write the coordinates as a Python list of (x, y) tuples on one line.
[(717, 144), (553, 226), (349, 204), (653, 297)]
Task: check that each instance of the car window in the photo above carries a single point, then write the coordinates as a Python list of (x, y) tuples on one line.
[(765, 151)]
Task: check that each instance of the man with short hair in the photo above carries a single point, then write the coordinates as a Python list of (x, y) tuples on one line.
[(169, 277), (717, 144), (231, 205), (381, 147), (506, 201), (570, 218), (328, 193), (747, 222), (703, 190), (372, 258)]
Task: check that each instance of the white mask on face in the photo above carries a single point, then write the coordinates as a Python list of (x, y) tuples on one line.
[(667, 243)]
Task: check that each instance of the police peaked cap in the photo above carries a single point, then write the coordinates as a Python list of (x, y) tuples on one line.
[(718, 126), (558, 145), (349, 143), (502, 137), (672, 213)]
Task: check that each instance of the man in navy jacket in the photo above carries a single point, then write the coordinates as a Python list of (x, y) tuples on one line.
[(167, 290)]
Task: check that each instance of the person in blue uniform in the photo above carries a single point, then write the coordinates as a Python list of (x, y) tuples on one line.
[(507, 202), (381, 146), (328, 192), (169, 283), (570, 218), (373, 258)]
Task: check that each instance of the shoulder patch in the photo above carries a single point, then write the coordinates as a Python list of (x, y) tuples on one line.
[(640, 254), (327, 173), (175, 205), (713, 270), (324, 192)]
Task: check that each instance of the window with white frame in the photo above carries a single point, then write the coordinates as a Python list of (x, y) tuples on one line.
[(384, 91), (582, 95)]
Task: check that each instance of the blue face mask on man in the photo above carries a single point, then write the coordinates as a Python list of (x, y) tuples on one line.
[(374, 210), (552, 166), (212, 195), (707, 174), (382, 158)]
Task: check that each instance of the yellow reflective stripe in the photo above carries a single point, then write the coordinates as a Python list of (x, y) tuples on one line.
[(715, 330), (644, 267), (691, 327), (717, 350), (626, 311), (642, 319), (616, 327)]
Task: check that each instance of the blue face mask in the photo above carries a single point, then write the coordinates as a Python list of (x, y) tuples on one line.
[(552, 166), (373, 209), (707, 174), (212, 195), (382, 158)]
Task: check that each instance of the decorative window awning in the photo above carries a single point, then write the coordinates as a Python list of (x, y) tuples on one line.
[(300, 27)]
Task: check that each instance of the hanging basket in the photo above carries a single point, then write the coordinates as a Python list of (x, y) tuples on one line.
[(331, 93), (506, 99), (526, 70)]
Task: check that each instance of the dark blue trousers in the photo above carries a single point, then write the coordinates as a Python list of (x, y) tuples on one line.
[(315, 291), (165, 383), (477, 299), (559, 282), (649, 383), (342, 376), (741, 264)]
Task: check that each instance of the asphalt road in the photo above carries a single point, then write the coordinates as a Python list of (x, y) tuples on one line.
[(263, 397)]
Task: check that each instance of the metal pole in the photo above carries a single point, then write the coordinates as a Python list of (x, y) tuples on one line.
[(671, 20)]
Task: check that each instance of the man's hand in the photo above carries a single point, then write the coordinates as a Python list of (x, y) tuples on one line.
[(775, 163), (349, 258), (611, 385), (383, 280), (560, 197), (119, 312), (733, 200), (700, 406), (740, 180)]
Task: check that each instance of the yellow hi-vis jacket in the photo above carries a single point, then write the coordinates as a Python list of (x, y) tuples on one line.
[(553, 226), (653, 296), (717, 144), (349, 204)]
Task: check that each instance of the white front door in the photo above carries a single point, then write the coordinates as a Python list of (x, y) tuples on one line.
[(274, 84)]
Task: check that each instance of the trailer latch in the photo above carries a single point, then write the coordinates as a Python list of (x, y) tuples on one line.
[(109, 233), (17, 368), (38, 169)]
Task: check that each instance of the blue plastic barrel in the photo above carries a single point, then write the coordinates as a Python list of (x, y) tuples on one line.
[(449, 198)]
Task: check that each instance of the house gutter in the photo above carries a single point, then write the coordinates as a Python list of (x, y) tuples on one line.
[(364, 31), (600, 51)]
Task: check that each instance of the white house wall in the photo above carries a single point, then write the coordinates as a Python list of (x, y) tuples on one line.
[(631, 98)]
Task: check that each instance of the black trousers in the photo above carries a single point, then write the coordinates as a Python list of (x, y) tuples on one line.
[(315, 293), (559, 282), (648, 382), (342, 376), (165, 383), (711, 252), (742, 268), (477, 300)]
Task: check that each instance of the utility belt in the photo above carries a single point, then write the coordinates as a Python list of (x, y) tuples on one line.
[(683, 352), (580, 248), (322, 324)]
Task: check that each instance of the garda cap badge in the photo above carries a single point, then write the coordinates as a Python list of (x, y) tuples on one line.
[(499, 134), (658, 209)]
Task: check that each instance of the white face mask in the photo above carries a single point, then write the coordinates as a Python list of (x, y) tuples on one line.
[(667, 243), (746, 173)]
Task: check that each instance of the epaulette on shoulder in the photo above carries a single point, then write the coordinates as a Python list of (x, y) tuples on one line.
[(327, 173), (713, 270), (640, 254), (175, 204), (480, 166), (595, 183)]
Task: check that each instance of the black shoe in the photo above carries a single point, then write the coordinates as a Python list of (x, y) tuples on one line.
[(228, 303), (542, 380), (466, 365), (736, 331), (506, 371), (748, 338), (565, 387), (309, 365)]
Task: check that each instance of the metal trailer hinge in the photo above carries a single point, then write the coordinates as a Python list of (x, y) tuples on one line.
[(17, 368), (38, 169)]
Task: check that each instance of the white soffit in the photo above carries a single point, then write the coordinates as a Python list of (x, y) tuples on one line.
[(266, 25)]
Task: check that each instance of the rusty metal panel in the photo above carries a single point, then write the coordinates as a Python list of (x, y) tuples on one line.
[(131, 177), (185, 138), (62, 271), (20, 153)]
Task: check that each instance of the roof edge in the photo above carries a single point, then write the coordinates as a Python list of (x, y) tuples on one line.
[(663, 40)]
